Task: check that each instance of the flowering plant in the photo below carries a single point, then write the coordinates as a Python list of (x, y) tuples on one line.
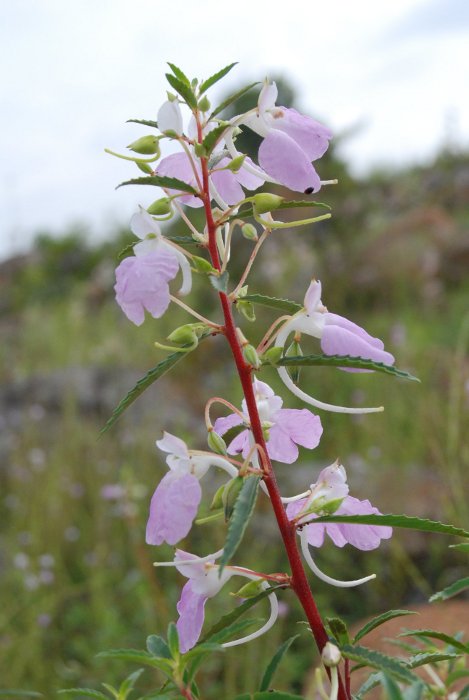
[(209, 172)]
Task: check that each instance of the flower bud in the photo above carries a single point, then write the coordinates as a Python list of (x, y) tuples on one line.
[(265, 201), (251, 589), (144, 167), (331, 655), (249, 231), (217, 500), (202, 265), (184, 335), (250, 354), (230, 494), (146, 145), (236, 164), (246, 309), (216, 443), (204, 104), (272, 355), (294, 350), (160, 207)]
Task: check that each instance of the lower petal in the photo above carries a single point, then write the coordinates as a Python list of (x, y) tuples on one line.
[(282, 158), (191, 617)]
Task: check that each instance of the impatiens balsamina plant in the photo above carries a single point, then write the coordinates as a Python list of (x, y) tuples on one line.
[(206, 170)]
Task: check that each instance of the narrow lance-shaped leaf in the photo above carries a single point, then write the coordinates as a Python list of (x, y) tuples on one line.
[(232, 98), (179, 74), (215, 78), (274, 663), (441, 636), (75, 693), (430, 657), (242, 511), (138, 657), (183, 89), (4, 693), (380, 620), (145, 122), (343, 361), (452, 590), (171, 183), (290, 307), (213, 136), (405, 521), (338, 629), (376, 659), (151, 376), (248, 212), (392, 690)]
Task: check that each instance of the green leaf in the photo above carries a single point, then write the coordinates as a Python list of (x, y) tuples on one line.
[(376, 659), (215, 78), (441, 636), (344, 361), (138, 657), (173, 640), (429, 657), (157, 646), (129, 683), (464, 694), (220, 282), (242, 511), (183, 89), (182, 240), (151, 376), (380, 620), (179, 74), (414, 691), (405, 521), (171, 183), (145, 122), (274, 663), (290, 307), (26, 693), (338, 629), (391, 688), (81, 693), (227, 621), (237, 628), (207, 648), (371, 682), (232, 98), (287, 204), (463, 547), (210, 141), (450, 591)]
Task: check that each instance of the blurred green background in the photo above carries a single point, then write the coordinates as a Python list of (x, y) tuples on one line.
[(76, 575)]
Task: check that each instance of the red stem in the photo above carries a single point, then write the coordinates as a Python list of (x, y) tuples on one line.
[(299, 582)]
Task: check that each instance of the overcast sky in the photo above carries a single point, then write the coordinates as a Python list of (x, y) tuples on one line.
[(73, 71)]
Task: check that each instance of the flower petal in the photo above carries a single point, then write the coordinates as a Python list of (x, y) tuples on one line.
[(173, 508), (363, 537), (240, 444), (227, 184), (172, 444), (169, 117), (341, 341), (280, 446), (178, 165), (141, 224), (222, 425), (282, 158), (311, 136), (302, 426), (191, 617)]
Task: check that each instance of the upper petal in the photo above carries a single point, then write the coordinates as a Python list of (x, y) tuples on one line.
[(222, 425), (282, 158), (141, 224), (312, 137), (172, 444), (302, 426), (341, 341), (170, 117), (280, 446)]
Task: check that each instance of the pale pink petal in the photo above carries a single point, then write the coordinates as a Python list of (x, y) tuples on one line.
[(267, 97), (173, 508), (178, 165), (227, 184), (340, 341), (248, 179), (302, 426), (262, 389), (280, 446), (169, 117), (222, 425), (172, 444), (240, 444), (363, 537), (192, 570), (312, 296), (282, 158), (191, 617), (331, 319), (315, 534), (311, 136)]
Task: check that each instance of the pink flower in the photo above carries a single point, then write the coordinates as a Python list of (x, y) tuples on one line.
[(291, 142), (176, 499), (204, 583), (142, 281), (338, 335), (286, 428), (363, 537)]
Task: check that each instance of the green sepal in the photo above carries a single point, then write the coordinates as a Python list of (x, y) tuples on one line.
[(145, 145), (250, 589), (220, 282), (246, 309)]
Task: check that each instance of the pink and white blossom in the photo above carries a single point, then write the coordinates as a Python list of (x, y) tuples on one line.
[(286, 428), (291, 141)]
